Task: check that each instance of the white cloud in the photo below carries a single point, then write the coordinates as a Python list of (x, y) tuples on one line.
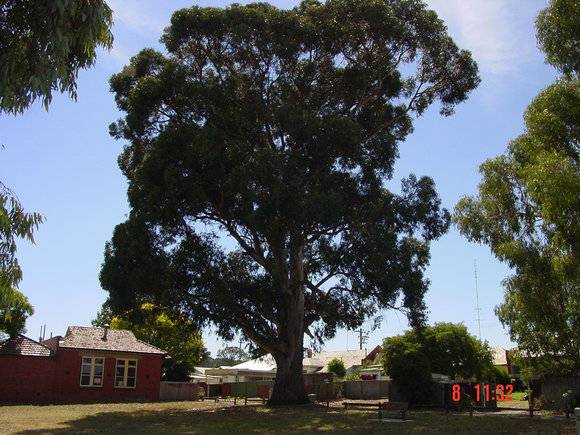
[(499, 33), (135, 15)]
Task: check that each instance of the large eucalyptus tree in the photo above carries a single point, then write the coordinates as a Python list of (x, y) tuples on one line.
[(259, 148)]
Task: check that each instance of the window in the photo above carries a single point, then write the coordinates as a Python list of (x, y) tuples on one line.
[(92, 372), (126, 373)]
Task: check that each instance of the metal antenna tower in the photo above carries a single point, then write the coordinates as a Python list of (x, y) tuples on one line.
[(477, 299)]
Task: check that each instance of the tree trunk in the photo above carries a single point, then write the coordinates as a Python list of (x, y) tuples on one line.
[(289, 384)]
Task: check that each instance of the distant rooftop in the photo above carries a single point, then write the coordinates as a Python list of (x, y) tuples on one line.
[(21, 345)]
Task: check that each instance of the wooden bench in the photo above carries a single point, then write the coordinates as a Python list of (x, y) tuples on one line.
[(381, 407), (214, 398), (262, 400)]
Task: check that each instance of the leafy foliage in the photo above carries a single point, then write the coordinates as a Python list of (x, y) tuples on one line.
[(408, 366), (337, 368), (14, 223), (258, 152), (528, 212), (169, 332), (14, 309), (353, 375), (104, 316), (448, 347), (558, 31), (233, 355), (497, 376), (44, 44), (452, 351)]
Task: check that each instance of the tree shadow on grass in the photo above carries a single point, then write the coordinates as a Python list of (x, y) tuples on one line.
[(303, 419), (231, 419)]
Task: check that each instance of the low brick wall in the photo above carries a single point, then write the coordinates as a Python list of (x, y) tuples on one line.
[(170, 391)]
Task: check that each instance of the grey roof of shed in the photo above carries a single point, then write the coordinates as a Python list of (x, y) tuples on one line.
[(117, 340), (21, 345)]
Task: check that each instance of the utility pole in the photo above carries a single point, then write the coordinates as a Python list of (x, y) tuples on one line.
[(362, 338), (477, 309)]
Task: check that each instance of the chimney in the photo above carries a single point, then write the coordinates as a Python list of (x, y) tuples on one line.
[(105, 332)]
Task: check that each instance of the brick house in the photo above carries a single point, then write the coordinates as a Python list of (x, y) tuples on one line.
[(86, 365)]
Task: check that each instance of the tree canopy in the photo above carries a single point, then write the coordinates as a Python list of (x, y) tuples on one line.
[(558, 32), (258, 152), (168, 331), (448, 347), (408, 367), (528, 212), (44, 44)]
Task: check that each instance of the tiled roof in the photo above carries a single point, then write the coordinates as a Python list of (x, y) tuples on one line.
[(21, 345), (118, 340)]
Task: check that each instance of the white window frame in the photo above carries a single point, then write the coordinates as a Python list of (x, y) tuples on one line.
[(92, 376), (125, 372)]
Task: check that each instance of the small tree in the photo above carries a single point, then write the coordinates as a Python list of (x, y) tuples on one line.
[(14, 309), (168, 331), (409, 368), (448, 347), (454, 352), (336, 368)]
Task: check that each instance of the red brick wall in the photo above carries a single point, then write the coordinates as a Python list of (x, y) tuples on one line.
[(57, 379), (26, 378)]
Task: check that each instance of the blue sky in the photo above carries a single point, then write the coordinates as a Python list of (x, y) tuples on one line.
[(63, 164)]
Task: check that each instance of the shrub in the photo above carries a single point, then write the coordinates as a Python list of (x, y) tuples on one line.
[(352, 376), (497, 376), (540, 403), (409, 368), (336, 368)]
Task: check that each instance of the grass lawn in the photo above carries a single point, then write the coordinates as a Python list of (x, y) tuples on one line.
[(206, 417), (516, 402)]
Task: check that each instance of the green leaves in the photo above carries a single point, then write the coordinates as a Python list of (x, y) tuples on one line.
[(43, 45), (528, 212), (409, 368), (444, 348), (14, 309), (168, 331), (14, 223), (258, 151), (558, 32), (336, 368)]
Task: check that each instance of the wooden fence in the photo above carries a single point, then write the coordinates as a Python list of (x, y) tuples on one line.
[(178, 391)]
